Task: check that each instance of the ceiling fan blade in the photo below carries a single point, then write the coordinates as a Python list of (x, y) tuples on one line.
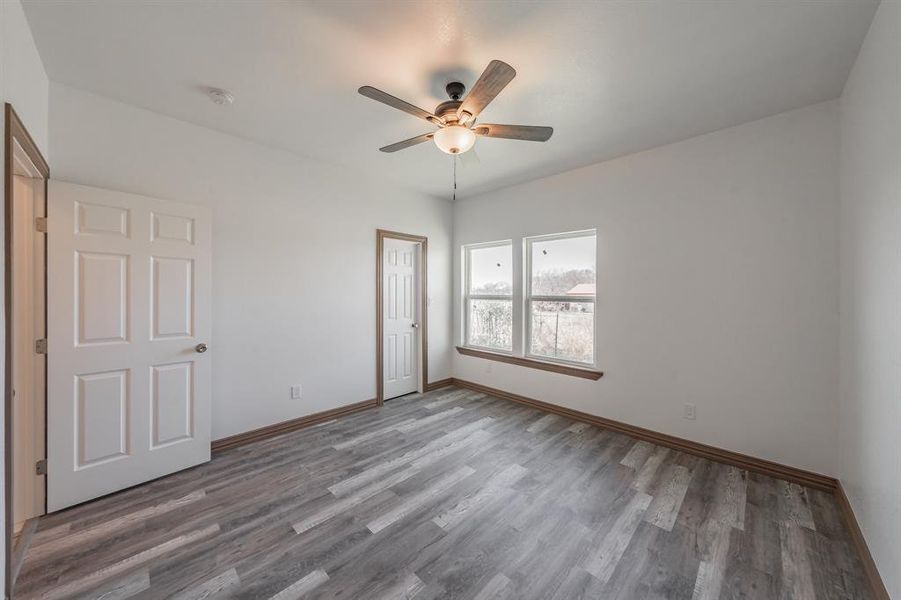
[(515, 132), (386, 98), (407, 143), (493, 79)]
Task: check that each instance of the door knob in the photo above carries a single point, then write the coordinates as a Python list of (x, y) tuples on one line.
[(200, 348), (415, 325)]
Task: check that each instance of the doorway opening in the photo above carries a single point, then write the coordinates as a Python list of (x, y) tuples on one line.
[(26, 175), (401, 314)]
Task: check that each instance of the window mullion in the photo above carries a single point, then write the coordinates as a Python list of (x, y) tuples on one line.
[(519, 335)]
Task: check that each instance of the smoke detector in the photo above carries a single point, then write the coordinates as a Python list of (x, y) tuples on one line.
[(220, 96)]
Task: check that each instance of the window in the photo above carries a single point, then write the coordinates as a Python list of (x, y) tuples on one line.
[(544, 317), (488, 296), (559, 297)]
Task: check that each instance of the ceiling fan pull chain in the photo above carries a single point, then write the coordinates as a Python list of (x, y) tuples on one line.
[(455, 178)]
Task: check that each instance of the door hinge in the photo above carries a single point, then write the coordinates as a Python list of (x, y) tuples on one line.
[(40, 467), (40, 346), (40, 223)]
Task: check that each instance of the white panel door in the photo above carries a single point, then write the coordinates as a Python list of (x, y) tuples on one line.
[(400, 287), (129, 305)]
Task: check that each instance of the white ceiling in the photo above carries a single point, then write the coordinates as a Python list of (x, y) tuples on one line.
[(611, 77)]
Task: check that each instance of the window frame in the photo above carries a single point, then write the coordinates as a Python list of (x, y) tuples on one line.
[(528, 298), (467, 296)]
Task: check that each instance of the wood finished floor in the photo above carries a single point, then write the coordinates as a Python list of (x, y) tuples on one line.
[(449, 494)]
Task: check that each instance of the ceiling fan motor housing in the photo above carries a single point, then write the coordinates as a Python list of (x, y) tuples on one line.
[(447, 110), (455, 90)]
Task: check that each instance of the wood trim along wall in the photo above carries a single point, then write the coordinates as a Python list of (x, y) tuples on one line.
[(869, 565), (275, 429), (380, 235), (532, 363), (14, 132), (435, 385), (736, 459)]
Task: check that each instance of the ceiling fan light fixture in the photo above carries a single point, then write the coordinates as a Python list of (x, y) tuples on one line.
[(454, 139)]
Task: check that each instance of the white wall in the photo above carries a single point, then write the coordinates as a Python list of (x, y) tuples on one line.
[(293, 252), (23, 83), (870, 414), (717, 285)]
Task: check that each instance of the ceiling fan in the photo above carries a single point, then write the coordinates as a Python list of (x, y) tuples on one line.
[(456, 118)]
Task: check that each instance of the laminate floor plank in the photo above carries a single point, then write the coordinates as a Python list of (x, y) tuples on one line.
[(797, 574), (466, 560), (222, 583), (795, 506), (450, 441), (666, 503), (646, 475), (92, 579), (455, 495), (297, 590), (495, 589), (497, 485), (414, 503), (637, 455), (641, 574), (542, 423), (119, 589), (617, 538)]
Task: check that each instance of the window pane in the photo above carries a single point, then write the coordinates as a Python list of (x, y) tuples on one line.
[(563, 330), (491, 270), (564, 267), (491, 324)]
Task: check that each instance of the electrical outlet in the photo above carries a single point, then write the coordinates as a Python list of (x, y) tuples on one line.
[(689, 412), (296, 392)]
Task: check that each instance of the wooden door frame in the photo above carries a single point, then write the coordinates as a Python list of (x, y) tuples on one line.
[(380, 236), (15, 132)]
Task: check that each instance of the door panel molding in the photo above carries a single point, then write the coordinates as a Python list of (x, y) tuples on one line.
[(423, 241)]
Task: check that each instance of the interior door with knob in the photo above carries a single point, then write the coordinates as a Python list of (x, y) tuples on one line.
[(400, 318), (128, 327)]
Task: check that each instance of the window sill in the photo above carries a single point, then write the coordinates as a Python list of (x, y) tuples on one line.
[(533, 364)]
